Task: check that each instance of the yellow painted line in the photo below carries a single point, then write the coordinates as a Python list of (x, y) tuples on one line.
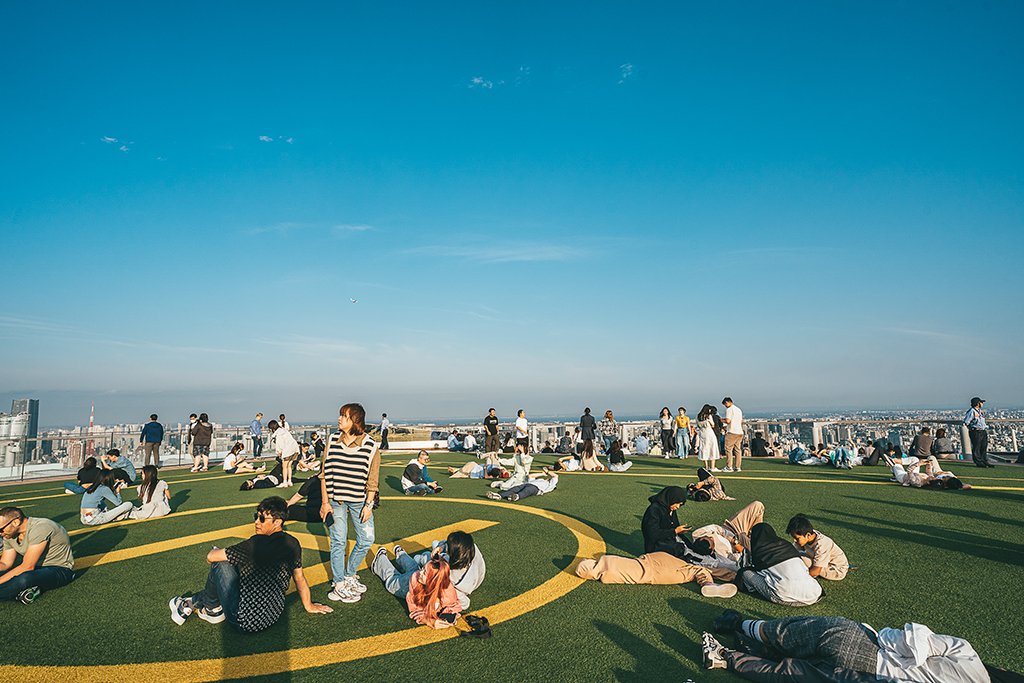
[(589, 545)]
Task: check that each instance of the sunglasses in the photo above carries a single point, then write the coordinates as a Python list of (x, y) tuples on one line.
[(4, 527), (262, 517)]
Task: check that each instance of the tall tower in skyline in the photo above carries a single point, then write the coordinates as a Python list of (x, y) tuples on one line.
[(89, 450)]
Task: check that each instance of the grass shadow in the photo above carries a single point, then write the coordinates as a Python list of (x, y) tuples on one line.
[(179, 498), (938, 509), (101, 541), (632, 543), (394, 482), (651, 662), (64, 515), (945, 539)]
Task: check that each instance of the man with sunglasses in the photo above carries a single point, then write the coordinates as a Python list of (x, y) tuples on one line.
[(46, 559), (247, 582)]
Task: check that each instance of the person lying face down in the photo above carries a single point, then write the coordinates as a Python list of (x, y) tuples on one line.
[(824, 649), (658, 569)]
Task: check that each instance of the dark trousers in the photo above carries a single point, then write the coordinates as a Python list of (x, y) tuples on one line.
[(979, 446), (523, 490), (257, 446), (44, 578), (221, 591), (766, 671), (384, 439), (491, 444), (301, 513)]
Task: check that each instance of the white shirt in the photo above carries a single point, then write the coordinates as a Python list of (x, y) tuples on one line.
[(735, 417), (544, 485), (521, 428), (469, 442), (229, 460), (917, 654), (286, 445), (384, 424), (791, 581)]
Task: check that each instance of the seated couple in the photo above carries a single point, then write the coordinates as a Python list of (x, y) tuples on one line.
[(120, 466), (907, 471), (836, 649), (247, 582), (490, 469), (435, 584), (533, 486)]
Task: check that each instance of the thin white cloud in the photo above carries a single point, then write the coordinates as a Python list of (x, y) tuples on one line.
[(523, 76), (352, 228), (266, 138), (625, 72), (290, 140), (124, 148), (502, 253), (108, 140), (314, 346), (282, 228), (479, 82), (161, 159)]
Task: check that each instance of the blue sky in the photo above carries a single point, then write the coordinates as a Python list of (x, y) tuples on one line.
[(536, 207)]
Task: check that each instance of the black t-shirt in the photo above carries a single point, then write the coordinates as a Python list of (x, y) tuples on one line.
[(88, 475), (265, 565), (311, 490), (318, 447), (491, 423)]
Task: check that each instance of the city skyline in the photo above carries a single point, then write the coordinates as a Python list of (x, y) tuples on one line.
[(433, 210)]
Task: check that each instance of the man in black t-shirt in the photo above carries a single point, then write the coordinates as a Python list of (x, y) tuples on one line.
[(247, 582), (491, 425)]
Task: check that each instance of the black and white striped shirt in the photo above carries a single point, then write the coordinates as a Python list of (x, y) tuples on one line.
[(351, 472)]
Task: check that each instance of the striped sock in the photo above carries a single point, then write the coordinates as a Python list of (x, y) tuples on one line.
[(752, 629)]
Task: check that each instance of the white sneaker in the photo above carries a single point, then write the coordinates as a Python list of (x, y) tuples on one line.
[(714, 469), (667, 457), (342, 592), (738, 469), (354, 585), (712, 650), (727, 469), (718, 590), (282, 485)]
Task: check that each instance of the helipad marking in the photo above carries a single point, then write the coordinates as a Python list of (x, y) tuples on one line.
[(589, 545)]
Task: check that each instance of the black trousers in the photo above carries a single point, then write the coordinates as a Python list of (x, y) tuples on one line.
[(979, 446)]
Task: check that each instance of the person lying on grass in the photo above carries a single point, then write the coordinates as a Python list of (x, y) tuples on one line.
[(819, 552), (489, 469), (659, 569), (534, 486), (569, 463), (465, 562), (265, 481), (823, 649), (907, 471), (708, 487), (247, 582), (235, 462)]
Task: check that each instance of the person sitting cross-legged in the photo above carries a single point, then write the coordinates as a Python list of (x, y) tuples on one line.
[(247, 582), (416, 480), (836, 649), (46, 559)]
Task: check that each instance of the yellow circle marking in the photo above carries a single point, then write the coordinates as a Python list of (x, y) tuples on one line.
[(589, 545)]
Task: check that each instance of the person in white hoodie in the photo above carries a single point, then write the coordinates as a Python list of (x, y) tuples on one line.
[(287, 449), (464, 559)]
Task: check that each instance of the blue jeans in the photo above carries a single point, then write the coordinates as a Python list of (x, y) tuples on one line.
[(45, 578), (396, 581), (338, 533), (682, 442), (257, 446), (607, 442), (416, 488), (74, 487), (221, 591)]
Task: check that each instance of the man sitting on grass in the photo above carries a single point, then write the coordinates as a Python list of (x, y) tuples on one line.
[(247, 582), (416, 480), (46, 559)]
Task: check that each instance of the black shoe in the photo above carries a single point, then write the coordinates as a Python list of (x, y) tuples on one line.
[(731, 621), (990, 465), (28, 596)]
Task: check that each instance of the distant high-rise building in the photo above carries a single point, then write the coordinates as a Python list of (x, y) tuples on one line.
[(30, 406), (895, 439)]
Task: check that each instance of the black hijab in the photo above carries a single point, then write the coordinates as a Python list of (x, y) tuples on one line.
[(703, 473), (669, 496), (767, 549)]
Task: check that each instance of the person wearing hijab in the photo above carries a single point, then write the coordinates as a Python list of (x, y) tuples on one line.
[(660, 526), (778, 573)]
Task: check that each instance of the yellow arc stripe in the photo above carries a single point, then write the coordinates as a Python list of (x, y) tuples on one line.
[(589, 544)]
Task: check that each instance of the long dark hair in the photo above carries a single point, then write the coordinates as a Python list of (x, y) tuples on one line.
[(149, 480), (664, 411), (104, 478), (461, 550), (705, 412)]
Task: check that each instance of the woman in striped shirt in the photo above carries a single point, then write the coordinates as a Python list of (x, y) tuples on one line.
[(348, 487)]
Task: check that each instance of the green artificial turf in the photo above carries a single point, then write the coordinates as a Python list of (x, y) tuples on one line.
[(950, 560)]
